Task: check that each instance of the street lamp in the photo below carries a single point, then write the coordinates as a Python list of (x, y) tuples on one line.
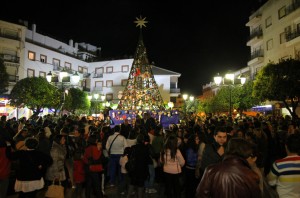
[(65, 80), (229, 80), (171, 105)]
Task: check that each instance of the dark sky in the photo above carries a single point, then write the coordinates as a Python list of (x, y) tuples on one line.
[(195, 38)]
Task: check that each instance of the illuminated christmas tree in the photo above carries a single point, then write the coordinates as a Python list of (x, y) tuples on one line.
[(141, 91)]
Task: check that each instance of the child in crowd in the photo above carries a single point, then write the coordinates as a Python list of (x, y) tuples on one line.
[(125, 178)]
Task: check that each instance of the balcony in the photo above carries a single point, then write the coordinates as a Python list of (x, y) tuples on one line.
[(292, 7), (13, 78), (292, 35), (255, 36), (256, 56), (174, 90), (98, 75), (10, 58), (10, 36), (97, 89)]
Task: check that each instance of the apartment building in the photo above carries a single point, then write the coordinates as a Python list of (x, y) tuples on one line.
[(27, 53)]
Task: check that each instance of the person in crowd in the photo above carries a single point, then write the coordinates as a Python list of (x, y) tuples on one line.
[(172, 161), (78, 173), (56, 172), (5, 165), (123, 160), (213, 153), (125, 128), (151, 166), (157, 144), (116, 143), (20, 137), (233, 176), (70, 148), (191, 159), (32, 163), (285, 172), (93, 179), (138, 176)]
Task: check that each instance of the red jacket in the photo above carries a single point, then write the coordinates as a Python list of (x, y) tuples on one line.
[(92, 151), (5, 164), (79, 173)]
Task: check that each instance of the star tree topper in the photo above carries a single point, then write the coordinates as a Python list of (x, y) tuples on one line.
[(141, 22)]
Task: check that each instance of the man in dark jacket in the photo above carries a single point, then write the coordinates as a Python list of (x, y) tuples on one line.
[(213, 153), (233, 177)]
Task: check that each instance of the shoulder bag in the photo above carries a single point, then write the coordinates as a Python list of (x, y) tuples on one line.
[(112, 144)]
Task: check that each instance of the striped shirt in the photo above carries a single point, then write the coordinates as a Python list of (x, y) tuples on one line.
[(285, 175)]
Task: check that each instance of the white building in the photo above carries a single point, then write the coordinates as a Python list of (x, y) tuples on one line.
[(28, 53), (274, 33)]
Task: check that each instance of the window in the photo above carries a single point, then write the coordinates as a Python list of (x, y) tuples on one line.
[(268, 22), (282, 38), (42, 74), (56, 63), (270, 44), (281, 12), (43, 58), (98, 83), (124, 82), (85, 70), (30, 73), (109, 97), (109, 69), (109, 83), (80, 69), (125, 68), (68, 66), (31, 55), (99, 72)]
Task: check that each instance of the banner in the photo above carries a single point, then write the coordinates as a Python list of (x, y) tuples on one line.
[(165, 118)]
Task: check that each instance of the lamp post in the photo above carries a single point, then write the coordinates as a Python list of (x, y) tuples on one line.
[(229, 80), (62, 81)]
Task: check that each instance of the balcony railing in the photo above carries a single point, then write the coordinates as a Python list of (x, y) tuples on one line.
[(292, 35), (98, 75), (256, 54), (257, 32), (10, 58), (9, 36), (293, 6), (13, 78), (174, 90)]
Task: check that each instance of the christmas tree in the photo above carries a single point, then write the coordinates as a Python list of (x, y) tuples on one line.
[(141, 91)]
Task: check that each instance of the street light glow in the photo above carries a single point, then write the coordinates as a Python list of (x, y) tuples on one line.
[(184, 96)]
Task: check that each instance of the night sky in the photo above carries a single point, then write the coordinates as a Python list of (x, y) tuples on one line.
[(197, 41)]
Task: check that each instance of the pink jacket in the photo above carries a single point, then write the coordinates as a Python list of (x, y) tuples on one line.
[(173, 166)]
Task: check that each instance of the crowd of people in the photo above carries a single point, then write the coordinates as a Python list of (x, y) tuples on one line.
[(203, 157)]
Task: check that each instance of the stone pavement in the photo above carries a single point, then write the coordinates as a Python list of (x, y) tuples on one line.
[(109, 192)]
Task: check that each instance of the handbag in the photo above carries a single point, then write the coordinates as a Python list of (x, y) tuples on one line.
[(55, 190)]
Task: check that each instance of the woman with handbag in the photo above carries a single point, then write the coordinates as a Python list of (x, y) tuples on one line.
[(29, 176), (58, 152), (93, 167)]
